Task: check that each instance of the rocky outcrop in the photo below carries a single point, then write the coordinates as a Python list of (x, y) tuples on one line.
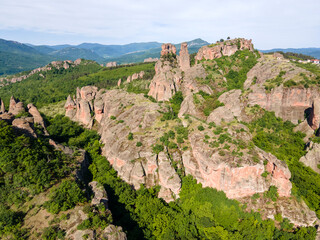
[(150, 59), (218, 171), (114, 233), (37, 118), (7, 117), (119, 82), (111, 64), (55, 64), (184, 58), (70, 107), (167, 79), (314, 118), (168, 48), (278, 55), (312, 158), (24, 125), (226, 48), (16, 106), (2, 107), (135, 76), (100, 194)]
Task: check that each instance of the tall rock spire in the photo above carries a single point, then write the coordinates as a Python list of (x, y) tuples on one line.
[(184, 58)]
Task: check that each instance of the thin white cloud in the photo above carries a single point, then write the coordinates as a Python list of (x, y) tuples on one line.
[(271, 23)]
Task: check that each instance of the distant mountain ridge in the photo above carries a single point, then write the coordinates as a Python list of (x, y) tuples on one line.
[(16, 57), (315, 52)]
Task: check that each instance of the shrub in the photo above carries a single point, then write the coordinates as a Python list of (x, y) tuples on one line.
[(130, 136), (139, 144), (200, 128)]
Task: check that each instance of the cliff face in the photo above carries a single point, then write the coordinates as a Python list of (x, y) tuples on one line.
[(226, 48)]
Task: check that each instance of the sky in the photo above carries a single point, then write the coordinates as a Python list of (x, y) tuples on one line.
[(269, 23)]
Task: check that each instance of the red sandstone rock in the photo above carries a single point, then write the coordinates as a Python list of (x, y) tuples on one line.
[(184, 58), (15, 106), (24, 125), (119, 82), (37, 118), (70, 107), (314, 118), (2, 107), (168, 48), (150, 59), (111, 64), (226, 48)]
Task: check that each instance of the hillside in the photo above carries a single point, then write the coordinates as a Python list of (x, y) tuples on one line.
[(73, 53), (315, 52), (221, 144)]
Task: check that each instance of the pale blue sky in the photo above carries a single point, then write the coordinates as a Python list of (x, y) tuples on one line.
[(270, 23)]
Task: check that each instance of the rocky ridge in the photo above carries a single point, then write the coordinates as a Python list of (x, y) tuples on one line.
[(120, 114), (55, 64)]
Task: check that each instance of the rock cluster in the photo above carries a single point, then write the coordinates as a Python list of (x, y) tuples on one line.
[(150, 59), (226, 48), (135, 76), (111, 64), (312, 158)]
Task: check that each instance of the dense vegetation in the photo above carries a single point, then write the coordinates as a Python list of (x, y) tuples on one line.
[(58, 84), (28, 166), (234, 68), (200, 213), (277, 137)]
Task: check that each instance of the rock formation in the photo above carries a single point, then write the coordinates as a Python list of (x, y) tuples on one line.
[(24, 125), (55, 64), (100, 194), (150, 59), (70, 107), (114, 233), (312, 158), (111, 64), (168, 48), (278, 55), (135, 76), (119, 82), (2, 107), (15, 106), (226, 48), (37, 118), (184, 58), (314, 118)]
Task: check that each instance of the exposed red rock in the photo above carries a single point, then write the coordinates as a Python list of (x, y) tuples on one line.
[(184, 58), (314, 118), (37, 118), (16, 106), (111, 64), (2, 107), (226, 48), (168, 48)]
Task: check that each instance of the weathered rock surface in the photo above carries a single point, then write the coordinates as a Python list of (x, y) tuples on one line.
[(216, 171), (312, 158), (37, 118), (100, 194), (305, 128), (16, 106), (168, 48), (184, 58), (24, 125), (114, 233), (135, 76), (70, 107), (226, 48), (314, 118), (166, 81), (297, 211), (8, 117)]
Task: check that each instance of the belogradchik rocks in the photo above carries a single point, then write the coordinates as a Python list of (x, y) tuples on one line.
[(111, 64), (226, 48), (119, 113)]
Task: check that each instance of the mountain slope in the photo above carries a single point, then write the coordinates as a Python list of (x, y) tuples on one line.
[(315, 52), (73, 53)]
